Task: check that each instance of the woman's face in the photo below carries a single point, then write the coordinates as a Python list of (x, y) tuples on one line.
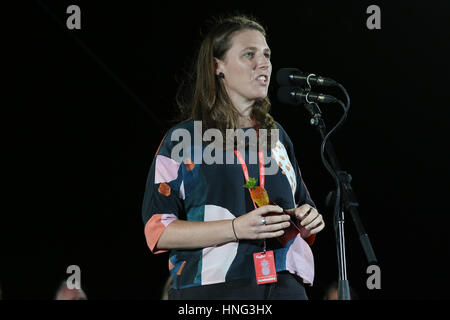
[(246, 67)]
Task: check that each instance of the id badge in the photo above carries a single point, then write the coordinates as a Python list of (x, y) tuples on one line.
[(265, 267)]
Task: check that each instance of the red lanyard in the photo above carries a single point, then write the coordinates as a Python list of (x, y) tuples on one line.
[(245, 170), (261, 176)]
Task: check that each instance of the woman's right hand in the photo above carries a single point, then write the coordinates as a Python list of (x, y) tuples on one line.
[(251, 226)]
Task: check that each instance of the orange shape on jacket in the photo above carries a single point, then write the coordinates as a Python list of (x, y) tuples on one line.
[(164, 189), (181, 268)]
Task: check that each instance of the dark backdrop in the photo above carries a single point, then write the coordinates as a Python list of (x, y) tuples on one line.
[(84, 112)]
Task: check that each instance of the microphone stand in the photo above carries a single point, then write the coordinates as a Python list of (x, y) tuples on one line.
[(348, 203)]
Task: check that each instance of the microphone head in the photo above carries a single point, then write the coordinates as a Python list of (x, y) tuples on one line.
[(290, 95), (284, 76)]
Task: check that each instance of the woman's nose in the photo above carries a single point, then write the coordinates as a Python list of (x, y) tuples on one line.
[(263, 62)]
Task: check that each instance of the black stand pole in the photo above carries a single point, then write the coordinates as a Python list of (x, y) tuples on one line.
[(349, 203)]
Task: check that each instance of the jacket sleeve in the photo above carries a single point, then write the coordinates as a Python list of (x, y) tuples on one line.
[(162, 201)]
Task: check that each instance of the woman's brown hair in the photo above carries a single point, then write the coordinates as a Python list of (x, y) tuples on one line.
[(208, 100)]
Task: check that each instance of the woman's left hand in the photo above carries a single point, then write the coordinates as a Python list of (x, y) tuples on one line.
[(309, 218)]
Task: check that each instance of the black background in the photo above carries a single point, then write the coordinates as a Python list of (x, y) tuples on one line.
[(84, 112)]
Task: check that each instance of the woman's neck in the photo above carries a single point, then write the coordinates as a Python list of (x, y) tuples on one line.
[(245, 120)]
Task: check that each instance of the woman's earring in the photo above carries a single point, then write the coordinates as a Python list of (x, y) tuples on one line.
[(221, 75)]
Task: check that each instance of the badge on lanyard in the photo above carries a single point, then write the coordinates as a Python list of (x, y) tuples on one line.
[(265, 267)]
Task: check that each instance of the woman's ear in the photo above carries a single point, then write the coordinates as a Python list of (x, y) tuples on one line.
[(218, 64)]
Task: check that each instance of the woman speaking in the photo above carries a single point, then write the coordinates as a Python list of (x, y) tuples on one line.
[(234, 230)]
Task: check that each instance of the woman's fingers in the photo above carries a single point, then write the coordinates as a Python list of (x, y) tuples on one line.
[(277, 219), (302, 211), (272, 214), (275, 227), (268, 235), (309, 218), (314, 223), (313, 214), (318, 228), (268, 209)]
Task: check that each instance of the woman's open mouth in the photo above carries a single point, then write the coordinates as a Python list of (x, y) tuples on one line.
[(262, 79)]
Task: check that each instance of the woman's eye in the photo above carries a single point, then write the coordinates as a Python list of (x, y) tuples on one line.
[(267, 55), (249, 54)]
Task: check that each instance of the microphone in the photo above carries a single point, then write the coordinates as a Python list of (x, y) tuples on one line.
[(292, 76), (295, 96)]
